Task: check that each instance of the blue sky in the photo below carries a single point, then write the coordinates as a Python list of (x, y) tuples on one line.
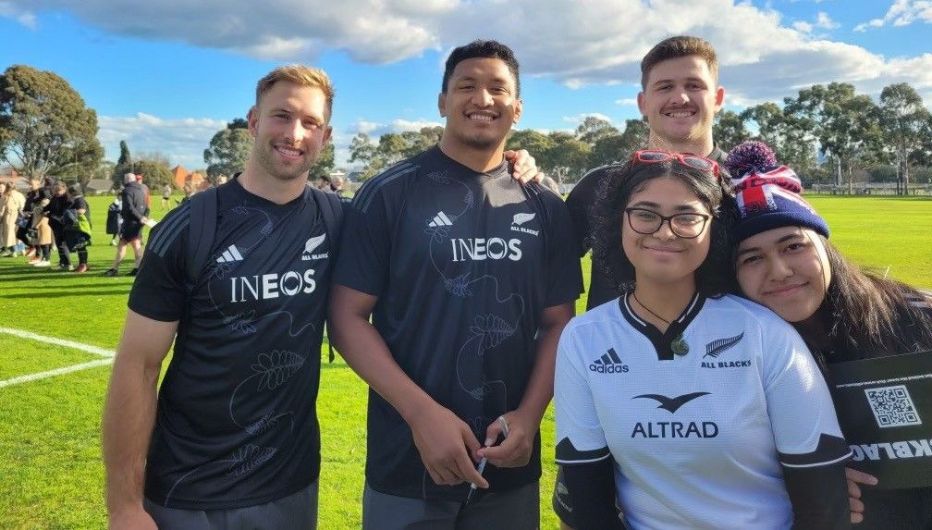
[(164, 76)]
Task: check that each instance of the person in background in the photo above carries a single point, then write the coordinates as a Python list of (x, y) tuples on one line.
[(784, 260), (41, 234), (133, 199), (34, 196), (189, 192), (77, 226), (56, 212), (114, 219), (12, 203), (166, 196)]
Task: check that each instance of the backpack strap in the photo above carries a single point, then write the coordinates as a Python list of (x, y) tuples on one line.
[(331, 209), (201, 230)]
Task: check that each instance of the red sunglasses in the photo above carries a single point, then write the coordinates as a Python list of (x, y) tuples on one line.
[(656, 156)]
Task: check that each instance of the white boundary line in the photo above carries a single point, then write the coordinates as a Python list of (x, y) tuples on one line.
[(106, 354), (53, 373)]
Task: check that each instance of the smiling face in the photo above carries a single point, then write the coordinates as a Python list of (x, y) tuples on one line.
[(480, 105), (785, 269), (662, 257), (290, 127), (680, 99)]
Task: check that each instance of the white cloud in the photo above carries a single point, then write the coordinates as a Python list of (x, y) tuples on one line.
[(24, 16), (579, 118), (825, 22), (901, 13), (763, 56), (182, 140), (582, 45), (628, 102)]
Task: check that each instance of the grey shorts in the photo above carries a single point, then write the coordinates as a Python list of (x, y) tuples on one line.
[(297, 511), (517, 509)]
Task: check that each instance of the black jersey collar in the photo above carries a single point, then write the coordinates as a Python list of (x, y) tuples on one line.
[(663, 342)]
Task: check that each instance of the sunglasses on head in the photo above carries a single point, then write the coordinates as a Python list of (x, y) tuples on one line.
[(656, 156)]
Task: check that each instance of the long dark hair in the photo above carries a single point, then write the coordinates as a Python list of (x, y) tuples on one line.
[(869, 316), (712, 276)]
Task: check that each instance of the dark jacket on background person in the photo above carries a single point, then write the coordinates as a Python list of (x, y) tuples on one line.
[(56, 211), (134, 203)]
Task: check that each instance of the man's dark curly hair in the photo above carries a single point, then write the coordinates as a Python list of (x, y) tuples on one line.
[(715, 275)]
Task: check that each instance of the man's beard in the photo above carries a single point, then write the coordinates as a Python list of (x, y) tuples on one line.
[(266, 159)]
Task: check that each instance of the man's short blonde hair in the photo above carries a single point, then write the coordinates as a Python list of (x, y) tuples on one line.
[(300, 75)]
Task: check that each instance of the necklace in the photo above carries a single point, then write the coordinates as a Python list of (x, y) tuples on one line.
[(640, 303), (678, 346)]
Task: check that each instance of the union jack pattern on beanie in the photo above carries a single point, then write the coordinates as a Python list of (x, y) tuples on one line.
[(767, 194)]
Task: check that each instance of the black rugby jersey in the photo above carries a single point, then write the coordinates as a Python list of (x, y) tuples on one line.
[(463, 264), (236, 423)]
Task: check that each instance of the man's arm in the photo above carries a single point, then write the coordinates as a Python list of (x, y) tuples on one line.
[(524, 421), (444, 441), (129, 416)]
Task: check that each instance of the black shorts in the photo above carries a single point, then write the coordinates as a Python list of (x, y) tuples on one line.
[(131, 231)]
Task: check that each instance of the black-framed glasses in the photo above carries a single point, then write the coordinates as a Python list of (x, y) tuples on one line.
[(687, 225)]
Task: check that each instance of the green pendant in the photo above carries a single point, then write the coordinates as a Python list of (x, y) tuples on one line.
[(679, 345)]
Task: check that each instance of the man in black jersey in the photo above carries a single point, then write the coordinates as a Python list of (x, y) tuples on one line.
[(468, 284), (679, 97), (232, 438)]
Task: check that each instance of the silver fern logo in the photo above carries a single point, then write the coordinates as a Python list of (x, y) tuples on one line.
[(517, 223), (311, 245), (720, 346)]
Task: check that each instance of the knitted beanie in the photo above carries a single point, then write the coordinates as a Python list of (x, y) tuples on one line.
[(768, 194)]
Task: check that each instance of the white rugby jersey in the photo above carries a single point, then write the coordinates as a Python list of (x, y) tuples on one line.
[(699, 419)]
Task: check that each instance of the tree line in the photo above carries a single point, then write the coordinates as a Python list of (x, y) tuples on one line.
[(827, 133)]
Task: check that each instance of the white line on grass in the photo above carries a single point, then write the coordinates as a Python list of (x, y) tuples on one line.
[(60, 342), (53, 373), (107, 354)]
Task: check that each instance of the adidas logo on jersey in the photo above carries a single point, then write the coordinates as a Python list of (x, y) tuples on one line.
[(311, 245), (440, 219), (609, 363), (520, 219), (230, 255)]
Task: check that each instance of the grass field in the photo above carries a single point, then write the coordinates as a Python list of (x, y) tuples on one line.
[(51, 476)]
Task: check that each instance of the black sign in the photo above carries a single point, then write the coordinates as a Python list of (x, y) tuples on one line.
[(884, 407)]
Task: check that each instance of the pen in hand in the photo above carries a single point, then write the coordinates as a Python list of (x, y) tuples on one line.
[(482, 463)]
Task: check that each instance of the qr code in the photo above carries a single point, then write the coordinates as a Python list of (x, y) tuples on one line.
[(892, 406)]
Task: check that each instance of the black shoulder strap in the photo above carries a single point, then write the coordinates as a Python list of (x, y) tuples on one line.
[(202, 226), (331, 209)]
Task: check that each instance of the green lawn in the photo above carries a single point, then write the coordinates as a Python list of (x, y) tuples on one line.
[(50, 470)]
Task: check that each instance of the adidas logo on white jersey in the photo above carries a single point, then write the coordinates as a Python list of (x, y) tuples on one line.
[(608, 363), (230, 255), (440, 219)]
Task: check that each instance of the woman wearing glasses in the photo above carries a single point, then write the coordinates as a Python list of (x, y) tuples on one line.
[(675, 403), (785, 262)]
